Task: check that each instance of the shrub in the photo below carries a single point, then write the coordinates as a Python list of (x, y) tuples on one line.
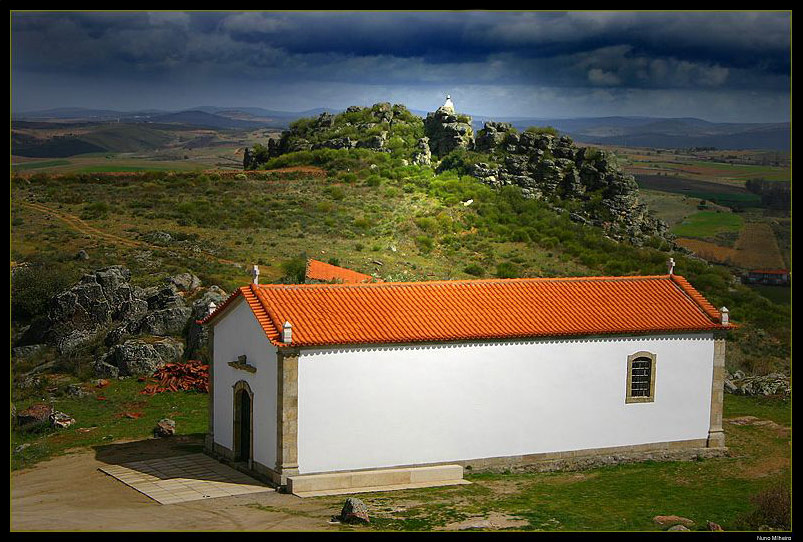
[(97, 209), (474, 269), (335, 192), (295, 269), (427, 224), (507, 270), (771, 507), (543, 130), (425, 243), (33, 286)]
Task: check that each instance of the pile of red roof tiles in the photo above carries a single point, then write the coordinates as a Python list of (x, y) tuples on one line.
[(192, 375)]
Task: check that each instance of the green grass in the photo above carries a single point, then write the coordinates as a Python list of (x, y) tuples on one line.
[(705, 224), (776, 294), (106, 422), (113, 168), (767, 408), (617, 498)]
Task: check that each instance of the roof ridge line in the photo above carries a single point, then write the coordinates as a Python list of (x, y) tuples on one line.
[(472, 281)]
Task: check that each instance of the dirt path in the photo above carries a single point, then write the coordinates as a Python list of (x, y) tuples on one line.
[(77, 224), (69, 493)]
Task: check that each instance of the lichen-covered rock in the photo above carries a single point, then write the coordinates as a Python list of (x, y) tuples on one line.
[(25, 352), (165, 428), (138, 357), (35, 415), (100, 298), (422, 156), (771, 384), (665, 521), (184, 282), (354, 510)]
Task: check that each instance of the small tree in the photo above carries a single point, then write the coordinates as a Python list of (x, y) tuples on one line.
[(295, 269)]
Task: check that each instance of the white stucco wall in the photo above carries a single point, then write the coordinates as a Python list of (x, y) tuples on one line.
[(401, 405), (238, 333)]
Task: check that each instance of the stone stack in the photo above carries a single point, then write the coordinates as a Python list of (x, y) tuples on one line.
[(447, 131)]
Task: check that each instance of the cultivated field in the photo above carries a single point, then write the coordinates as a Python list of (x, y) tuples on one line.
[(755, 248)]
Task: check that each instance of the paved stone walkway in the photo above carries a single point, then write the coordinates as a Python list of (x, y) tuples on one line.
[(184, 478)]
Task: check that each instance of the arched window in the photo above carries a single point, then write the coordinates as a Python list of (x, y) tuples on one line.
[(640, 378)]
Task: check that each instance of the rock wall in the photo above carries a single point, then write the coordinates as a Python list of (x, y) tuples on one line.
[(549, 167)]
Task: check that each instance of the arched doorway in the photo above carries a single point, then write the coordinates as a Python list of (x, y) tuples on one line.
[(243, 422)]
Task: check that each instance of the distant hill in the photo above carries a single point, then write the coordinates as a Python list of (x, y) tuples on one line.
[(109, 138), (205, 120), (663, 132), (635, 131)]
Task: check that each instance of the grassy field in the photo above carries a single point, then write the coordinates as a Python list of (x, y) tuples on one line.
[(707, 224), (115, 412), (39, 164)]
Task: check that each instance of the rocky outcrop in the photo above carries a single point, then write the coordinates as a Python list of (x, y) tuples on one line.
[(138, 357), (166, 314), (358, 127), (552, 168), (448, 131), (492, 135), (100, 298), (771, 384), (422, 156)]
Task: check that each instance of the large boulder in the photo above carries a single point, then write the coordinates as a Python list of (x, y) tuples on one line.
[(354, 510), (184, 282), (447, 131), (138, 357), (99, 299)]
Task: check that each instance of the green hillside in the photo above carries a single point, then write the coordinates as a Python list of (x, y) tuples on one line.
[(361, 209), (103, 138), (128, 138)]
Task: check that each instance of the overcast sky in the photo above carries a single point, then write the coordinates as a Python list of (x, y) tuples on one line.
[(718, 66)]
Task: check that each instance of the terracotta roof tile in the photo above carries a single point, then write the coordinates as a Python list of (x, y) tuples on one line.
[(317, 270), (400, 312)]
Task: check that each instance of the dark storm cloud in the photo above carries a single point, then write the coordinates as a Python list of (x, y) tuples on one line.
[(555, 42), (612, 51)]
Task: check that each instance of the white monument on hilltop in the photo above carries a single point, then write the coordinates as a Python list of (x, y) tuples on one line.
[(448, 103)]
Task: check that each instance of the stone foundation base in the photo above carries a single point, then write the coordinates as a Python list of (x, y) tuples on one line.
[(687, 450), (593, 458)]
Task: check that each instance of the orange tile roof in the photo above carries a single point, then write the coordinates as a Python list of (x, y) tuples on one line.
[(402, 312), (327, 272)]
